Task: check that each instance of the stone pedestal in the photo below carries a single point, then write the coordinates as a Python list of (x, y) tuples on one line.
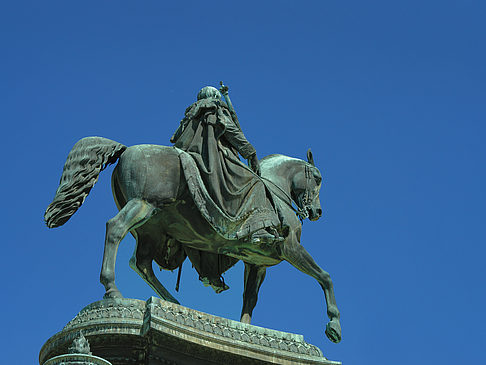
[(156, 332)]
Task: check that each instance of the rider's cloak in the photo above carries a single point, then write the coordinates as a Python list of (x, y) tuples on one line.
[(213, 140)]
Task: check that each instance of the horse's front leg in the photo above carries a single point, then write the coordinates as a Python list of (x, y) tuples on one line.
[(133, 214), (294, 253), (254, 276)]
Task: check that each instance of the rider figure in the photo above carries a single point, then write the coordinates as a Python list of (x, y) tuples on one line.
[(211, 134)]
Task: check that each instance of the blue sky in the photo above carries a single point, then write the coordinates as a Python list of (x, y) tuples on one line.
[(389, 95)]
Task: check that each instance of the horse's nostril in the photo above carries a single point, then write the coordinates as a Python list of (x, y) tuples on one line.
[(319, 212)]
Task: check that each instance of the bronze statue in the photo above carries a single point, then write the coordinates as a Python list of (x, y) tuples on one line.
[(198, 200)]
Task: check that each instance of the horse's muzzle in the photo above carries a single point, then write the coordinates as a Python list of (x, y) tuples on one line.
[(315, 213)]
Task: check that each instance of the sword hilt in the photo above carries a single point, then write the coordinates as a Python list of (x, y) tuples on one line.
[(224, 91)]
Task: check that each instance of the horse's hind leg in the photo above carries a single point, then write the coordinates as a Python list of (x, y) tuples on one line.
[(298, 257), (141, 262), (254, 276), (135, 213)]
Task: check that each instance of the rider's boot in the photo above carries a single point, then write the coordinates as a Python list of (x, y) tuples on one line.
[(217, 284), (264, 236)]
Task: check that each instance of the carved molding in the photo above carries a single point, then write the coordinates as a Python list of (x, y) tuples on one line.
[(229, 329), (123, 323), (77, 359)]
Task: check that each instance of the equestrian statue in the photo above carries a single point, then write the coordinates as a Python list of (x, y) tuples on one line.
[(197, 200)]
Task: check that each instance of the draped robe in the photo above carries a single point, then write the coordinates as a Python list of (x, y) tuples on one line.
[(213, 140)]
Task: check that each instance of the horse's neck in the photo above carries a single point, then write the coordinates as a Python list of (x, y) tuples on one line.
[(281, 170)]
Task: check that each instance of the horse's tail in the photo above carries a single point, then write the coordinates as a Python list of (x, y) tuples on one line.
[(84, 163)]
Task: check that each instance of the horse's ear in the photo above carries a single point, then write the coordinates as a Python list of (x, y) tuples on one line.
[(310, 158)]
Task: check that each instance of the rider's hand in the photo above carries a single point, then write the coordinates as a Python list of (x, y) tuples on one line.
[(254, 164)]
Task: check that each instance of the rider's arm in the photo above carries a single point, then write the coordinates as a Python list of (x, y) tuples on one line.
[(237, 139)]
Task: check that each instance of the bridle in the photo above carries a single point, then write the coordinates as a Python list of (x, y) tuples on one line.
[(302, 210)]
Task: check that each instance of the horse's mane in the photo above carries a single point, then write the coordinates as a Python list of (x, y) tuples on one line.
[(270, 156), (268, 160)]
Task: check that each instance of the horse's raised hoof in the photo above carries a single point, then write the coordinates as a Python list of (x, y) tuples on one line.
[(112, 293), (245, 318), (333, 331)]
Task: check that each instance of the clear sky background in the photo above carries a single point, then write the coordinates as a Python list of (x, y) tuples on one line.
[(389, 95)]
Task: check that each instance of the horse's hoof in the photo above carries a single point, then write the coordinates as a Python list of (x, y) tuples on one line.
[(173, 300), (168, 298), (333, 331), (112, 293)]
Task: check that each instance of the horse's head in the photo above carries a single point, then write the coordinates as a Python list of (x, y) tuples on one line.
[(305, 189)]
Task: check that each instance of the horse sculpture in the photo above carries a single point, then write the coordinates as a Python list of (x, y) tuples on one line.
[(155, 205)]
